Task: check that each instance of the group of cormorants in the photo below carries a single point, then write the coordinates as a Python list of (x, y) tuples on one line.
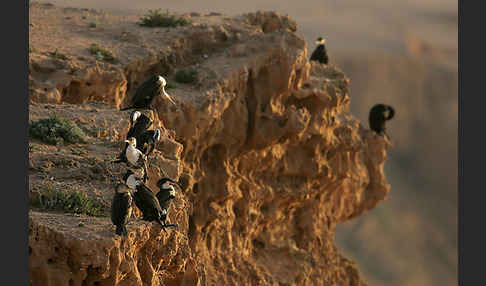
[(139, 145), (379, 113)]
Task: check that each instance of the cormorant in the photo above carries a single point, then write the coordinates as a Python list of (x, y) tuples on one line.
[(147, 91), (145, 199), (379, 114), (121, 208), (141, 125), (131, 154), (165, 196), (320, 53), (146, 142)]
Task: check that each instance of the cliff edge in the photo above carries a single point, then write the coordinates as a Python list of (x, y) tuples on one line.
[(269, 156)]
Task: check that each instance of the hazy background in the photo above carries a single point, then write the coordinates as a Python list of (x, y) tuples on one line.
[(403, 54)]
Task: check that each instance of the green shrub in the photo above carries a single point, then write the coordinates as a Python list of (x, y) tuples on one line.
[(101, 53), (75, 201), (154, 18), (170, 85), (186, 76), (54, 130), (58, 55)]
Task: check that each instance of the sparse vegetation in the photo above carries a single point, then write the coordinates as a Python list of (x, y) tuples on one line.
[(75, 201), (170, 85), (57, 55), (54, 130), (101, 53), (92, 25), (154, 18), (185, 76)]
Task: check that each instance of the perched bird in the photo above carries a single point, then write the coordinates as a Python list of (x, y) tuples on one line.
[(165, 195), (134, 115), (320, 53), (147, 141), (133, 157), (141, 125), (379, 114), (121, 208), (147, 91), (144, 199), (131, 154)]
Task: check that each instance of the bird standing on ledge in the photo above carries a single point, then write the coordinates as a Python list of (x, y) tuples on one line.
[(121, 209), (165, 195), (320, 53), (147, 91), (379, 114)]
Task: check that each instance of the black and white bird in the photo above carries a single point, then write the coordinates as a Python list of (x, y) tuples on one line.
[(147, 141), (147, 91), (165, 195), (141, 124), (379, 114), (320, 53), (121, 208), (131, 155), (145, 199)]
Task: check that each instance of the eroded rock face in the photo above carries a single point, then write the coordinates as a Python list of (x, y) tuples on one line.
[(274, 168), (270, 161)]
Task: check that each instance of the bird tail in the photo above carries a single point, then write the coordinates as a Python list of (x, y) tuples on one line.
[(121, 230)]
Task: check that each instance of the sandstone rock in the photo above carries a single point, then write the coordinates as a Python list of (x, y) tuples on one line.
[(263, 143)]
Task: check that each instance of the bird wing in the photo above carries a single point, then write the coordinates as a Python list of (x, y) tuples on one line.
[(143, 123), (392, 112), (120, 208), (146, 138), (146, 92), (147, 196)]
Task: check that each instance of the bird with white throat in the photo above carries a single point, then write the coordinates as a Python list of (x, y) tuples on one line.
[(147, 91), (134, 155)]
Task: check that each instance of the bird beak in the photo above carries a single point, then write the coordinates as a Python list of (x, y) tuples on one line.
[(166, 95)]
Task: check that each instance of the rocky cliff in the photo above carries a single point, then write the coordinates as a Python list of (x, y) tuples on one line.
[(268, 154)]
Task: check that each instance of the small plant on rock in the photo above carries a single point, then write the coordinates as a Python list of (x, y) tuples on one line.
[(170, 85), (54, 130), (57, 55), (101, 53), (76, 201), (154, 18), (186, 76)]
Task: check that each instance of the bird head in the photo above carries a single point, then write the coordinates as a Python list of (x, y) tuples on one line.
[(122, 188), (132, 141), (161, 81), (166, 183), (320, 41), (134, 116)]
